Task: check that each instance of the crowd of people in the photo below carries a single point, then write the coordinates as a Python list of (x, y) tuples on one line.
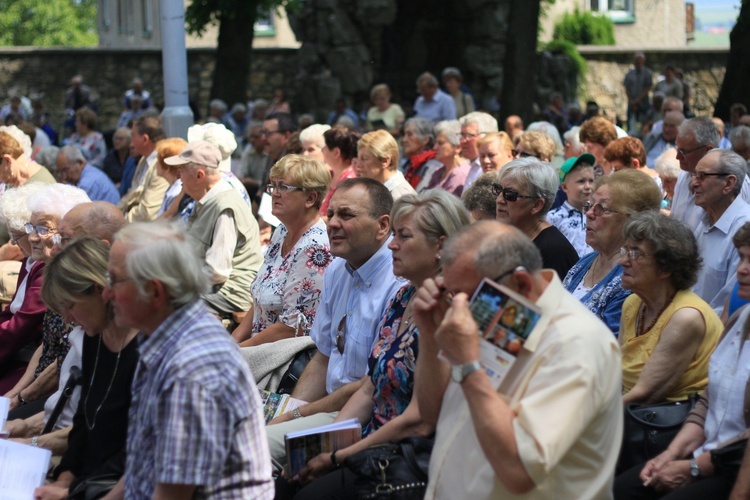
[(152, 288)]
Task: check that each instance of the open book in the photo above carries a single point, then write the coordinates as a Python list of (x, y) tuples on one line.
[(302, 446), (505, 320), (277, 404), (22, 469)]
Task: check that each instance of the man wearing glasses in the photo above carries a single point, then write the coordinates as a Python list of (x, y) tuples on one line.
[(357, 287)]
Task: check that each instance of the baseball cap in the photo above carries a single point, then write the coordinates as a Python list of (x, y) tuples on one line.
[(200, 152), (573, 162)]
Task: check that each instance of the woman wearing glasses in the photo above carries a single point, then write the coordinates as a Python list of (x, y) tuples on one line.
[(525, 194), (596, 279), (287, 287), (667, 332), (384, 403)]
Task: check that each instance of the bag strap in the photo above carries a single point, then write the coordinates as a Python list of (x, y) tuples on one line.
[(73, 380), (407, 451)]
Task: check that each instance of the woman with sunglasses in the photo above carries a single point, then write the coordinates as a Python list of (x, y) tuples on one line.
[(525, 193), (287, 287), (384, 403), (596, 279)]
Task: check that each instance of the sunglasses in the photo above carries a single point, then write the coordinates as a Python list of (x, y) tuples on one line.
[(341, 335), (509, 194)]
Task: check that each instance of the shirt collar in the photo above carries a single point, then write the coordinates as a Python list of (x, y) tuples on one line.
[(217, 188), (370, 269), (153, 348), (734, 210)]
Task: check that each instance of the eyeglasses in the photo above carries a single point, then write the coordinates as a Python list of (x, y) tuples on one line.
[(111, 282), (508, 273), (268, 133), (341, 335), (15, 238), (701, 176), (522, 154), (509, 194), (685, 153), (40, 230), (471, 136), (632, 253), (598, 209), (271, 188)]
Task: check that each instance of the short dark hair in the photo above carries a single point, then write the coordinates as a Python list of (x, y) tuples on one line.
[(381, 201), (87, 116), (150, 126), (286, 122), (344, 138)]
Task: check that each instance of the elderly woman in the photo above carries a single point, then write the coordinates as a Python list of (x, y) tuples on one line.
[(384, 403), (19, 169), (667, 332), (535, 144), (87, 139), (166, 148), (287, 288), (572, 145), (48, 206), (339, 152), (686, 469), (479, 198), (668, 168), (451, 176), (377, 153), (21, 321), (552, 132), (629, 152), (495, 151), (596, 279), (525, 193), (419, 155), (114, 163), (312, 140), (74, 284), (391, 115), (596, 133)]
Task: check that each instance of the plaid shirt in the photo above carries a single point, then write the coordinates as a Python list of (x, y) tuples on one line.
[(196, 417)]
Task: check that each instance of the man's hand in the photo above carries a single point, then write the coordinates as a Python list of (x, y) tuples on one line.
[(458, 335), (430, 305), (319, 466)]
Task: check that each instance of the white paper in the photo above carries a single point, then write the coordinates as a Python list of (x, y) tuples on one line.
[(22, 469), (352, 423), (264, 210), (4, 407)]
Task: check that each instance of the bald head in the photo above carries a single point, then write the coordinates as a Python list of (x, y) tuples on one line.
[(99, 219)]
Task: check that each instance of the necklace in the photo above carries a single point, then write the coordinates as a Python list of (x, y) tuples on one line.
[(641, 312), (92, 424)]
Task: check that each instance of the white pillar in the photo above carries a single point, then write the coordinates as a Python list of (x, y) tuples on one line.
[(177, 116)]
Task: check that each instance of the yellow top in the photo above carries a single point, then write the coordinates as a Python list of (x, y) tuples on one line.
[(637, 350)]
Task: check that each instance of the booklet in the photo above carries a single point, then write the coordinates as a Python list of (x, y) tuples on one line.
[(4, 408), (277, 404), (22, 469), (505, 321), (302, 446)]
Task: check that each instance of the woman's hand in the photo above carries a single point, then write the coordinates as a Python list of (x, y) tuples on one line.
[(673, 475), (653, 466), (51, 491), (319, 466), (16, 428)]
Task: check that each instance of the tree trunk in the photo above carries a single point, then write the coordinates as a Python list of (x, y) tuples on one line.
[(736, 85), (520, 65), (233, 52)]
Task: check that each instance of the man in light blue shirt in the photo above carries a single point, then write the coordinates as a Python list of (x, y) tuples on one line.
[(357, 287), (434, 104), (71, 164)]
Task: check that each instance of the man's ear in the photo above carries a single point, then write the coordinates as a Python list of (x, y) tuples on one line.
[(384, 225)]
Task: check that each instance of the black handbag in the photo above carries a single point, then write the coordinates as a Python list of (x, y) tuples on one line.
[(94, 487), (396, 470), (728, 460), (648, 430)]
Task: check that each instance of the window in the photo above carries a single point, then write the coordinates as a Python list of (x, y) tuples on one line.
[(620, 11), (147, 14), (265, 24), (125, 17)]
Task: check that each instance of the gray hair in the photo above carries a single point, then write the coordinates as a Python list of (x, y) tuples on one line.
[(733, 164), (571, 136), (429, 79), (20, 136), (672, 243), (122, 130), (436, 212), (218, 104), (486, 123), (740, 137), (57, 199), (159, 251), (667, 165), (552, 132), (14, 207), (480, 196), (423, 129), (702, 129), (314, 133), (452, 130), (47, 156), (535, 176), (73, 154), (498, 248)]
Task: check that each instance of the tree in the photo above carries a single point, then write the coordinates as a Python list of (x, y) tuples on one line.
[(69, 23), (234, 49), (521, 62), (736, 84)]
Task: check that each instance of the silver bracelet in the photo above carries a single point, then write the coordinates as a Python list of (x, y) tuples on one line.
[(296, 414), (34, 441)]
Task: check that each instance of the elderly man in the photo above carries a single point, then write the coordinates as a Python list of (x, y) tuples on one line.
[(72, 166), (739, 139), (277, 129), (717, 183), (474, 126), (196, 421), (552, 428), (143, 201), (514, 126), (433, 104), (656, 143), (221, 228), (357, 286)]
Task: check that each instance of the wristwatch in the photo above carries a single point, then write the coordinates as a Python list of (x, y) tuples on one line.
[(695, 472), (296, 414), (460, 372)]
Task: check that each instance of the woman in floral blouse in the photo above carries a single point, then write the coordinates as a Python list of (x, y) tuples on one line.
[(384, 404), (287, 288), (87, 139)]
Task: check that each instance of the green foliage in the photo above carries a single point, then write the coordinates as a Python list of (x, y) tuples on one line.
[(69, 23), (584, 28), (569, 49), (202, 13)]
